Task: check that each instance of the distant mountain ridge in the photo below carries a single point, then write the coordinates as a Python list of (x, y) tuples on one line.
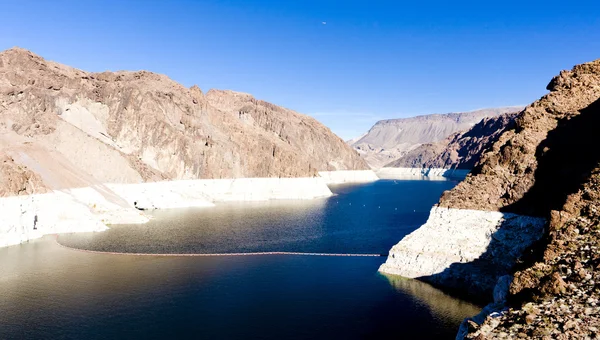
[(460, 150), (390, 139)]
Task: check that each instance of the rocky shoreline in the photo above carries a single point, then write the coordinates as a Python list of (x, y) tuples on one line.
[(418, 173), (91, 209), (348, 176), (471, 251), (92, 149), (543, 167)]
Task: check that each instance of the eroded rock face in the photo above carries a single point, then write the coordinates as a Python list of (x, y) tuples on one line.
[(556, 295), (146, 127), (461, 150), (325, 151)]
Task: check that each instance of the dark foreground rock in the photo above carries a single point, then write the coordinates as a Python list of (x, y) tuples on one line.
[(548, 165)]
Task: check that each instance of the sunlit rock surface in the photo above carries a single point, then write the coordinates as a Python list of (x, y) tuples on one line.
[(466, 250)]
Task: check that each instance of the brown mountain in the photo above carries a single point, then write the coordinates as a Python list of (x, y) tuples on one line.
[(73, 127), (390, 139), (461, 150), (547, 165)]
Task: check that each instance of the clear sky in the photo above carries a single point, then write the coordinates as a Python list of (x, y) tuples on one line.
[(347, 63)]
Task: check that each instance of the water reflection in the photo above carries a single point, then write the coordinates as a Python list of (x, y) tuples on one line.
[(447, 308), (225, 228), (47, 291), (367, 218), (51, 292)]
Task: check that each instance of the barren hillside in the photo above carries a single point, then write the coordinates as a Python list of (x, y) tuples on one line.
[(76, 128)]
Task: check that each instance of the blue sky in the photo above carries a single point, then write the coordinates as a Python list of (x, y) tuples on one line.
[(347, 63)]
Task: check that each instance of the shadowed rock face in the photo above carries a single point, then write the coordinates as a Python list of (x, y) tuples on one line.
[(547, 165), (390, 139), (464, 251), (551, 138), (140, 126), (461, 150)]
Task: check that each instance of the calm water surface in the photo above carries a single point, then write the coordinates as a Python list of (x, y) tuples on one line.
[(50, 292)]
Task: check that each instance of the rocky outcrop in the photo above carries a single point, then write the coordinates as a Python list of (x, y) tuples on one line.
[(389, 140), (472, 249), (139, 126), (546, 156), (555, 295), (461, 150), (545, 166)]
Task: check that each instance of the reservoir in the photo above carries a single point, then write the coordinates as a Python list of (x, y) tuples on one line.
[(54, 288)]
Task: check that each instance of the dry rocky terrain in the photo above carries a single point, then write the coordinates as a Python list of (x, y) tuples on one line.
[(63, 127), (547, 165)]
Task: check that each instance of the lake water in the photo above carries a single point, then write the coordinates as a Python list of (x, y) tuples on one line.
[(50, 292)]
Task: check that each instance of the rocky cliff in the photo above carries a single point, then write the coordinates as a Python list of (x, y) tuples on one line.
[(72, 127), (388, 140), (543, 166), (544, 157), (548, 166), (460, 150)]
